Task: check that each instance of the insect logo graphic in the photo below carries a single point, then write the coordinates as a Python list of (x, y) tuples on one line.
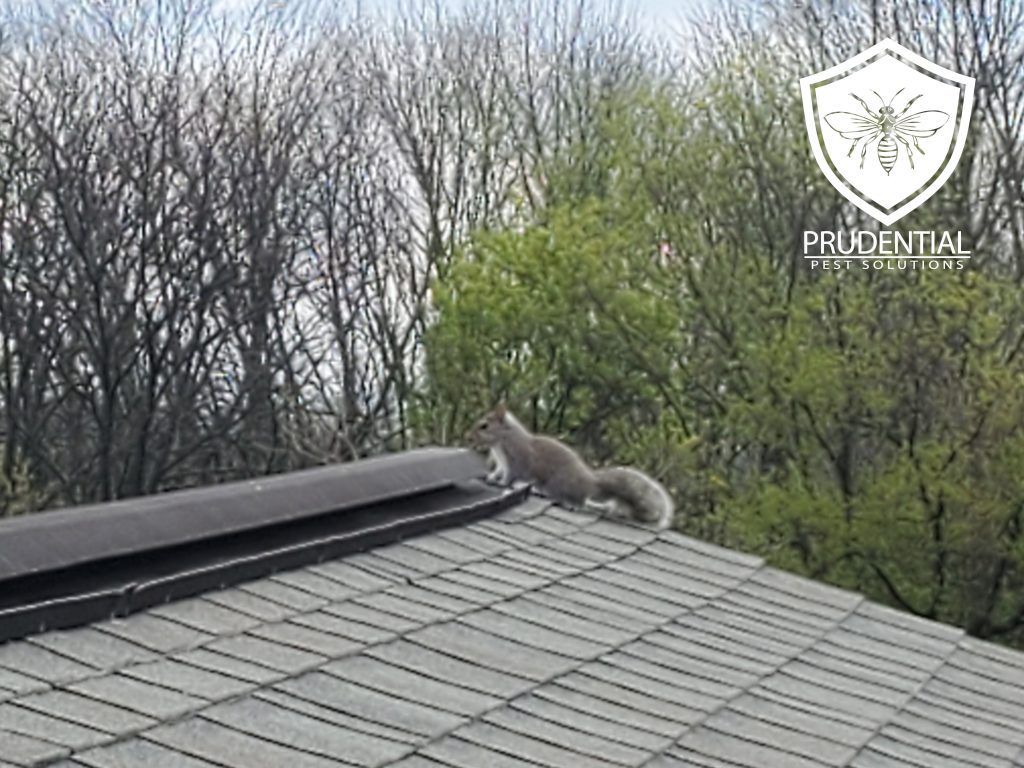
[(886, 127), (890, 155)]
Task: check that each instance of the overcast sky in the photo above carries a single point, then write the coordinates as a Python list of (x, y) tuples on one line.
[(661, 16)]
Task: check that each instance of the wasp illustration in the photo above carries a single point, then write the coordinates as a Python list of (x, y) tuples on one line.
[(887, 128)]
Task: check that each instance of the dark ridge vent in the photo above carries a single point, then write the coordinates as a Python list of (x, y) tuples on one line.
[(75, 566)]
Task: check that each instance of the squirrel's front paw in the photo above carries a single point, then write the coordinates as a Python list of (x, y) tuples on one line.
[(496, 477)]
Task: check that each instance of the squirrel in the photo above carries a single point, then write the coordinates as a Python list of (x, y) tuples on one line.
[(558, 471)]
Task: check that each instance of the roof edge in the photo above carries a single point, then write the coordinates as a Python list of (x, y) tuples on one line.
[(84, 564)]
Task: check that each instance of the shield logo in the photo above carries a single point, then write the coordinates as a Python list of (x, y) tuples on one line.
[(887, 127)]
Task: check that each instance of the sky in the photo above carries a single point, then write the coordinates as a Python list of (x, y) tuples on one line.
[(660, 16)]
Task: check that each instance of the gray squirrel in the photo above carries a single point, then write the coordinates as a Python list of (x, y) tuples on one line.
[(557, 471)]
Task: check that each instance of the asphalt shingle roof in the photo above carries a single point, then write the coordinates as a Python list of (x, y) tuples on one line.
[(540, 637)]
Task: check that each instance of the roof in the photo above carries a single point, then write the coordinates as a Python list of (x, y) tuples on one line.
[(536, 637)]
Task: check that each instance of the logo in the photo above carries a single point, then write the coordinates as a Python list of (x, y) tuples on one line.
[(887, 127)]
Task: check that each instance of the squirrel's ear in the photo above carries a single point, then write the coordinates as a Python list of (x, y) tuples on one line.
[(500, 411)]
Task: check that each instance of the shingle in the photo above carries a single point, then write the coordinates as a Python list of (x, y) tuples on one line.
[(589, 597), (188, 679), (205, 616), (815, 746), (776, 638), (965, 747), (444, 585), (338, 716), (627, 708), (282, 594), (371, 617), (460, 753), (97, 649), (547, 598), (632, 535), (655, 687), (448, 605), (152, 632), (738, 641), (30, 659), (17, 683), (896, 635), (803, 717), (516, 578), (203, 658), (804, 589), (715, 559), (982, 704), (537, 613), (251, 604), (694, 591), (533, 749), (24, 750), (402, 683), (349, 575), (640, 581), (588, 720), (634, 698), (137, 696), (416, 613), (476, 540), (622, 591), (445, 547), (609, 548), (886, 744), (881, 649), (87, 711), (227, 747), (696, 679), (487, 650), (1000, 690), (534, 635), (27, 722), (481, 583), (442, 665), (283, 658), (705, 581), (412, 557), (263, 719), (830, 695), (926, 715), (144, 698), (681, 653), (371, 705), (356, 631), (542, 638), (565, 735), (315, 584), (386, 569), (767, 620), (555, 553), (526, 560), (136, 753), (986, 666), (417, 761), (516, 534), (852, 680), (735, 748), (326, 644), (826, 649)]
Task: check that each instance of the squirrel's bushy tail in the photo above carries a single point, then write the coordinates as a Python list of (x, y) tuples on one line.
[(646, 498)]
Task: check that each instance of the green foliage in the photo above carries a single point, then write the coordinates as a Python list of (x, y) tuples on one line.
[(860, 427)]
